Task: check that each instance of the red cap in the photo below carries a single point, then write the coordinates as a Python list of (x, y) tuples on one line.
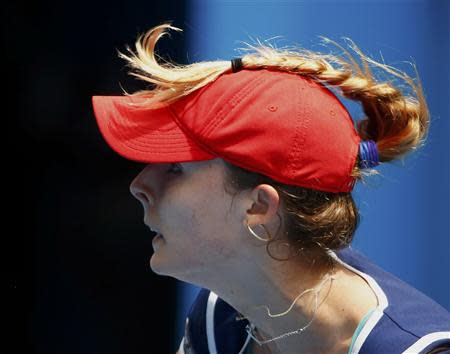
[(279, 124)]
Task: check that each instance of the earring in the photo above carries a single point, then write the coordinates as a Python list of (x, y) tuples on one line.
[(260, 238)]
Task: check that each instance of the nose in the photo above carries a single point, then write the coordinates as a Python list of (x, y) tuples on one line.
[(140, 190)]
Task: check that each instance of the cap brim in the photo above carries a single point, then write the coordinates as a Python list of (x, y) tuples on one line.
[(144, 135)]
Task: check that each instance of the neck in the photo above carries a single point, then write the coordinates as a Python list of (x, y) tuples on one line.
[(271, 303)]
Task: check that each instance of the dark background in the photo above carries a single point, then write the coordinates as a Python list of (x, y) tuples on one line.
[(75, 251)]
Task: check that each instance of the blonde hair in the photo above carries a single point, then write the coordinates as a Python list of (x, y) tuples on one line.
[(396, 122)]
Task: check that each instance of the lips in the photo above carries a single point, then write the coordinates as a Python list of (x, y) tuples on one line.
[(156, 235), (154, 230)]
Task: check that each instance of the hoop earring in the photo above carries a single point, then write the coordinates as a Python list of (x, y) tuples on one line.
[(258, 237)]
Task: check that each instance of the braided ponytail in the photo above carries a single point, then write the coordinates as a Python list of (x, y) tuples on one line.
[(314, 221), (397, 123)]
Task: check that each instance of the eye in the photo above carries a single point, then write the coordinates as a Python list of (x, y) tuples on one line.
[(175, 168)]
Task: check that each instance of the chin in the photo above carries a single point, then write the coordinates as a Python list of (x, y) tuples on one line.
[(176, 271), (162, 266), (156, 266)]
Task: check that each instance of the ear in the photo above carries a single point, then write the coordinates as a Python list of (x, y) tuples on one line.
[(265, 204)]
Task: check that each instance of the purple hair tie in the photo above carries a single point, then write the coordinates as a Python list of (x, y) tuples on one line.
[(368, 154)]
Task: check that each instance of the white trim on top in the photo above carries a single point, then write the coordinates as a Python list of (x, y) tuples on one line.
[(181, 347), (424, 342), (210, 307), (376, 315), (212, 299), (244, 347)]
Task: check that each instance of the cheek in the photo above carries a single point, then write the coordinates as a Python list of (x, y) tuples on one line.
[(216, 236), (204, 232)]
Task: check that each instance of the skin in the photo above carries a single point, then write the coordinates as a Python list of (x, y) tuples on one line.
[(206, 242)]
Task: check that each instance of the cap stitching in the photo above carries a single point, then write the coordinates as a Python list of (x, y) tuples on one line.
[(237, 98), (136, 143), (190, 135), (138, 139), (144, 128), (300, 133), (168, 149), (191, 99), (179, 146), (349, 181)]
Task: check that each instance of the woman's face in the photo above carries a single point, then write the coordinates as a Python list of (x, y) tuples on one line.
[(191, 210)]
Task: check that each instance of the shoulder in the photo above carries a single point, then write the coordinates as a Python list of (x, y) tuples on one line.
[(389, 336), (405, 321), (211, 327)]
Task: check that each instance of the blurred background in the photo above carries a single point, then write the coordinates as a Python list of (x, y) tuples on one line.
[(75, 252)]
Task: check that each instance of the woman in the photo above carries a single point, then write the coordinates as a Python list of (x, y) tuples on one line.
[(250, 168)]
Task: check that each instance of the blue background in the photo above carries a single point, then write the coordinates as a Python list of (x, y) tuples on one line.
[(405, 211)]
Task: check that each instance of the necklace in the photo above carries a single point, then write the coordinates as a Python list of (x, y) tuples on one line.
[(251, 327)]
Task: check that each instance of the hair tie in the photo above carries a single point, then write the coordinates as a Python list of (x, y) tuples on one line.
[(368, 154), (236, 64)]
